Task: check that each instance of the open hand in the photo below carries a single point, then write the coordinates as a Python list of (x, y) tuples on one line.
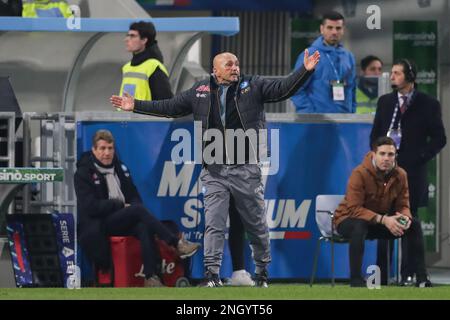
[(126, 103), (310, 62)]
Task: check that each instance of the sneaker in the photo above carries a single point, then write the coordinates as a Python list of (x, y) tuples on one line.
[(153, 281), (261, 279), (423, 283), (241, 278), (407, 282), (186, 248), (211, 280)]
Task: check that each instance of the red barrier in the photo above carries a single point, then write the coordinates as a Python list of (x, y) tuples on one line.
[(127, 260)]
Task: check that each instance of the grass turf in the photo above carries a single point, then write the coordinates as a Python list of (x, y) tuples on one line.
[(274, 292)]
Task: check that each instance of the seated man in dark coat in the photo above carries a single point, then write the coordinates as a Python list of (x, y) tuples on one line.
[(109, 205)]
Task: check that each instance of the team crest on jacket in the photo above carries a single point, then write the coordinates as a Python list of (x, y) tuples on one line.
[(244, 84), (245, 87), (202, 91), (202, 88), (125, 170), (95, 178)]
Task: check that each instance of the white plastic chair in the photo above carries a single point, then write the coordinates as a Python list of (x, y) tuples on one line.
[(325, 207)]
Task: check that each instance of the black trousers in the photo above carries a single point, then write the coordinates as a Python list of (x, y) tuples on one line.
[(137, 221), (236, 238), (407, 268), (383, 246), (418, 197), (358, 230)]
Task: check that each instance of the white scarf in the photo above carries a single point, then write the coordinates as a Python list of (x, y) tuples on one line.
[(113, 183)]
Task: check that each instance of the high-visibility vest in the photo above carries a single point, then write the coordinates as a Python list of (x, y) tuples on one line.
[(365, 105), (46, 9), (135, 78)]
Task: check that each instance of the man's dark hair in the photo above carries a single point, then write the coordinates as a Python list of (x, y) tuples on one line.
[(332, 15), (383, 141), (145, 30), (105, 135), (409, 69), (368, 60)]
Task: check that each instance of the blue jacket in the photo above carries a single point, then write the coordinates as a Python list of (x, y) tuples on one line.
[(316, 96)]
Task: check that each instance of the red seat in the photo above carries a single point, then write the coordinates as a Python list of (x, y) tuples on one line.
[(128, 268), (127, 260)]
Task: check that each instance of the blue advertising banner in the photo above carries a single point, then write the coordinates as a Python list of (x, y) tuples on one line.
[(65, 240), (314, 158), (19, 254), (304, 6), (42, 249)]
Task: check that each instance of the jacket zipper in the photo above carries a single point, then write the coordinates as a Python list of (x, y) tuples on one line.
[(245, 129), (204, 142), (223, 125)]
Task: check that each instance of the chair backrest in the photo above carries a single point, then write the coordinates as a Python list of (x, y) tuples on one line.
[(326, 204)]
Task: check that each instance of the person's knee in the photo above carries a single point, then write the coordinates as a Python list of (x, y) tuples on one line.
[(214, 230), (261, 238), (141, 226), (138, 210), (359, 229)]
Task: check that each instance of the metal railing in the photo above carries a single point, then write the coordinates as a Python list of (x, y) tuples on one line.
[(52, 146), (7, 139)]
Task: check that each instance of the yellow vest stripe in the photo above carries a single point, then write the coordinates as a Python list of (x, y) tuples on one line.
[(136, 75), (135, 78)]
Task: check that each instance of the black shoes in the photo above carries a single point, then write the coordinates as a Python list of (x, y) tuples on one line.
[(261, 279), (423, 283), (212, 280), (407, 282)]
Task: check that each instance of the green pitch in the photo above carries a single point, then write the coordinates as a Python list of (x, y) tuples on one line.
[(274, 292)]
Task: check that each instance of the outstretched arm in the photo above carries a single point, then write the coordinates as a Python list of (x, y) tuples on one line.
[(178, 106), (281, 89), (126, 103)]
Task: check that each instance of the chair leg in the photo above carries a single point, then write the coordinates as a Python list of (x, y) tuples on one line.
[(332, 262), (316, 257), (397, 269), (388, 261)]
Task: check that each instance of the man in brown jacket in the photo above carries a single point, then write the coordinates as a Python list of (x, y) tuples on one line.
[(376, 206)]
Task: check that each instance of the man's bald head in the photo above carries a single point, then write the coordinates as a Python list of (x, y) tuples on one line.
[(226, 68), (219, 58)]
